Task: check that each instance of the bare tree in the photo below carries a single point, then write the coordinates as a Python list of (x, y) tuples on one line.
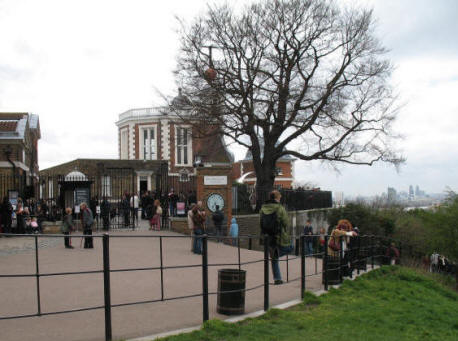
[(290, 77)]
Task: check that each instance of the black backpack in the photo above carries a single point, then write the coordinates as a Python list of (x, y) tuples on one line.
[(270, 226)]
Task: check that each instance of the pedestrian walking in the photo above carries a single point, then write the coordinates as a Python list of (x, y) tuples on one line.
[(156, 219), (198, 218), (87, 219), (234, 231), (308, 233), (274, 223), (67, 227)]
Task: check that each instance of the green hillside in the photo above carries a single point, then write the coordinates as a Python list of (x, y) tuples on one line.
[(390, 303)]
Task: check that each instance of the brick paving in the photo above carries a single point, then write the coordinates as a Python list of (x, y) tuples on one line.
[(127, 250)]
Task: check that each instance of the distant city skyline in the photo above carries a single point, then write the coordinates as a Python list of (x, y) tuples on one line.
[(78, 65)]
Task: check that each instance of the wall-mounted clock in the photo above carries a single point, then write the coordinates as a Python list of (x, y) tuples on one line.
[(213, 200)]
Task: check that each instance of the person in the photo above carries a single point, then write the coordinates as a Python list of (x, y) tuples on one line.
[(67, 227), (20, 219), (125, 208), (134, 202), (308, 232), (156, 219), (34, 225), (218, 218), (105, 209), (392, 254), (191, 226), (322, 239), (87, 219), (198, 219), (173, 199), (234, 231), (6, 215), (343, 231), (280, 244)]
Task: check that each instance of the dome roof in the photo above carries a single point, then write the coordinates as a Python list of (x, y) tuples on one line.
[(76, 176), (181, 100)]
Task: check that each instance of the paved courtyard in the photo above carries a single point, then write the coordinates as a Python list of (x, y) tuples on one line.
[(19, 295)]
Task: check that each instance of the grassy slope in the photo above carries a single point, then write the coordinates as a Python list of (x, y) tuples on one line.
[(391, 303)]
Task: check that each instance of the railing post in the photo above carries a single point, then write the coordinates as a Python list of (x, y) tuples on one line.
[(250, 243), (106, 285), (340, 258), (372, 251), (162, 268), (266, 272), (296, 249), (325, 262), (238, 251), (37, 275), (302, 242), (204, 278)]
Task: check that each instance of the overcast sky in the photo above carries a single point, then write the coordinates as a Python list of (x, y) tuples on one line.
[(79, 64)]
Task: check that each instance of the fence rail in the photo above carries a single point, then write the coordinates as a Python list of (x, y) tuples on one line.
[(362, 249)]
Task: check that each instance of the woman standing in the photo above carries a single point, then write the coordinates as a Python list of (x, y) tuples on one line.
[(67, 227), (156, 220)]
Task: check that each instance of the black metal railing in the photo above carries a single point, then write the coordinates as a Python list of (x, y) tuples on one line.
[(360, 249)]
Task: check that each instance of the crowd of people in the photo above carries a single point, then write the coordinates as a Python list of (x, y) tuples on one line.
[(29, 215)]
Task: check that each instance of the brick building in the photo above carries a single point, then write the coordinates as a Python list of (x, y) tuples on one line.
[(160, 134), (19, 135), (243, 170)]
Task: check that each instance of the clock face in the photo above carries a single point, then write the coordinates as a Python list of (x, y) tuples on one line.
[(213, 200)]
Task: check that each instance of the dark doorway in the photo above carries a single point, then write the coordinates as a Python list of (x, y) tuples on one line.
[(143, 186)]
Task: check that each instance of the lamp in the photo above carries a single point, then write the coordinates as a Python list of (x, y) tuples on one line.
[(198, 161)]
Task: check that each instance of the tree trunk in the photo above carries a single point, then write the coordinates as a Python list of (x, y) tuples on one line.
[(264, 185)]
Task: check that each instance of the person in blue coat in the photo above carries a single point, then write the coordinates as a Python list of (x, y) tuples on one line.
[(234, 231)]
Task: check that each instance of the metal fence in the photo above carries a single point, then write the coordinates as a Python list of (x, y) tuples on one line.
[(362, 252)]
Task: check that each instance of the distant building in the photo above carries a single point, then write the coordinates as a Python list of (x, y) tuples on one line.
[(411, 193), (391, 195), (19, 135)]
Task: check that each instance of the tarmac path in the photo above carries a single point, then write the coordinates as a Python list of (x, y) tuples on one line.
[(128, 249)]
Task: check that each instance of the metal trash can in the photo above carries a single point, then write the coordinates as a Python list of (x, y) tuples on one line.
[(231, 291), (333, 271)]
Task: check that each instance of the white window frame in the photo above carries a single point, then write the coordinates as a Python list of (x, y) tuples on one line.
[(105, 181), (141, 133), (124, 137), (184, 176), (188, 145)]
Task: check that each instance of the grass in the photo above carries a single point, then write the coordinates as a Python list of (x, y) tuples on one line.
[(390, 303)]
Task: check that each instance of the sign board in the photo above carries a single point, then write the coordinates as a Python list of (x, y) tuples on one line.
[(97, 209), (81, 195), (211, 180), (13, 196), (77, 209), (180, 208)]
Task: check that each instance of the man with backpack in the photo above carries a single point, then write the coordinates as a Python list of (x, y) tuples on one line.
[(274, 224), (218, 218)]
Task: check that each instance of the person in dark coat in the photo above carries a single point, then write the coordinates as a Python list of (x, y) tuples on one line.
[(6, 215), (218, 218), (125, 208), (87, 219), (105, 209)]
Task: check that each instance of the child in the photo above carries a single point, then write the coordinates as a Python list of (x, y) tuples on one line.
[(234, 231), (34, 225)]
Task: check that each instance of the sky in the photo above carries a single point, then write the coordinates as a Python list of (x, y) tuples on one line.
[(79, 64)]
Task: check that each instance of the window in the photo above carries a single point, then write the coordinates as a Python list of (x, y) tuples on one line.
[(183, 146), (148, 147), (184, 176), (50, 189), (278, 171), (124, 145), (106, 186)]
